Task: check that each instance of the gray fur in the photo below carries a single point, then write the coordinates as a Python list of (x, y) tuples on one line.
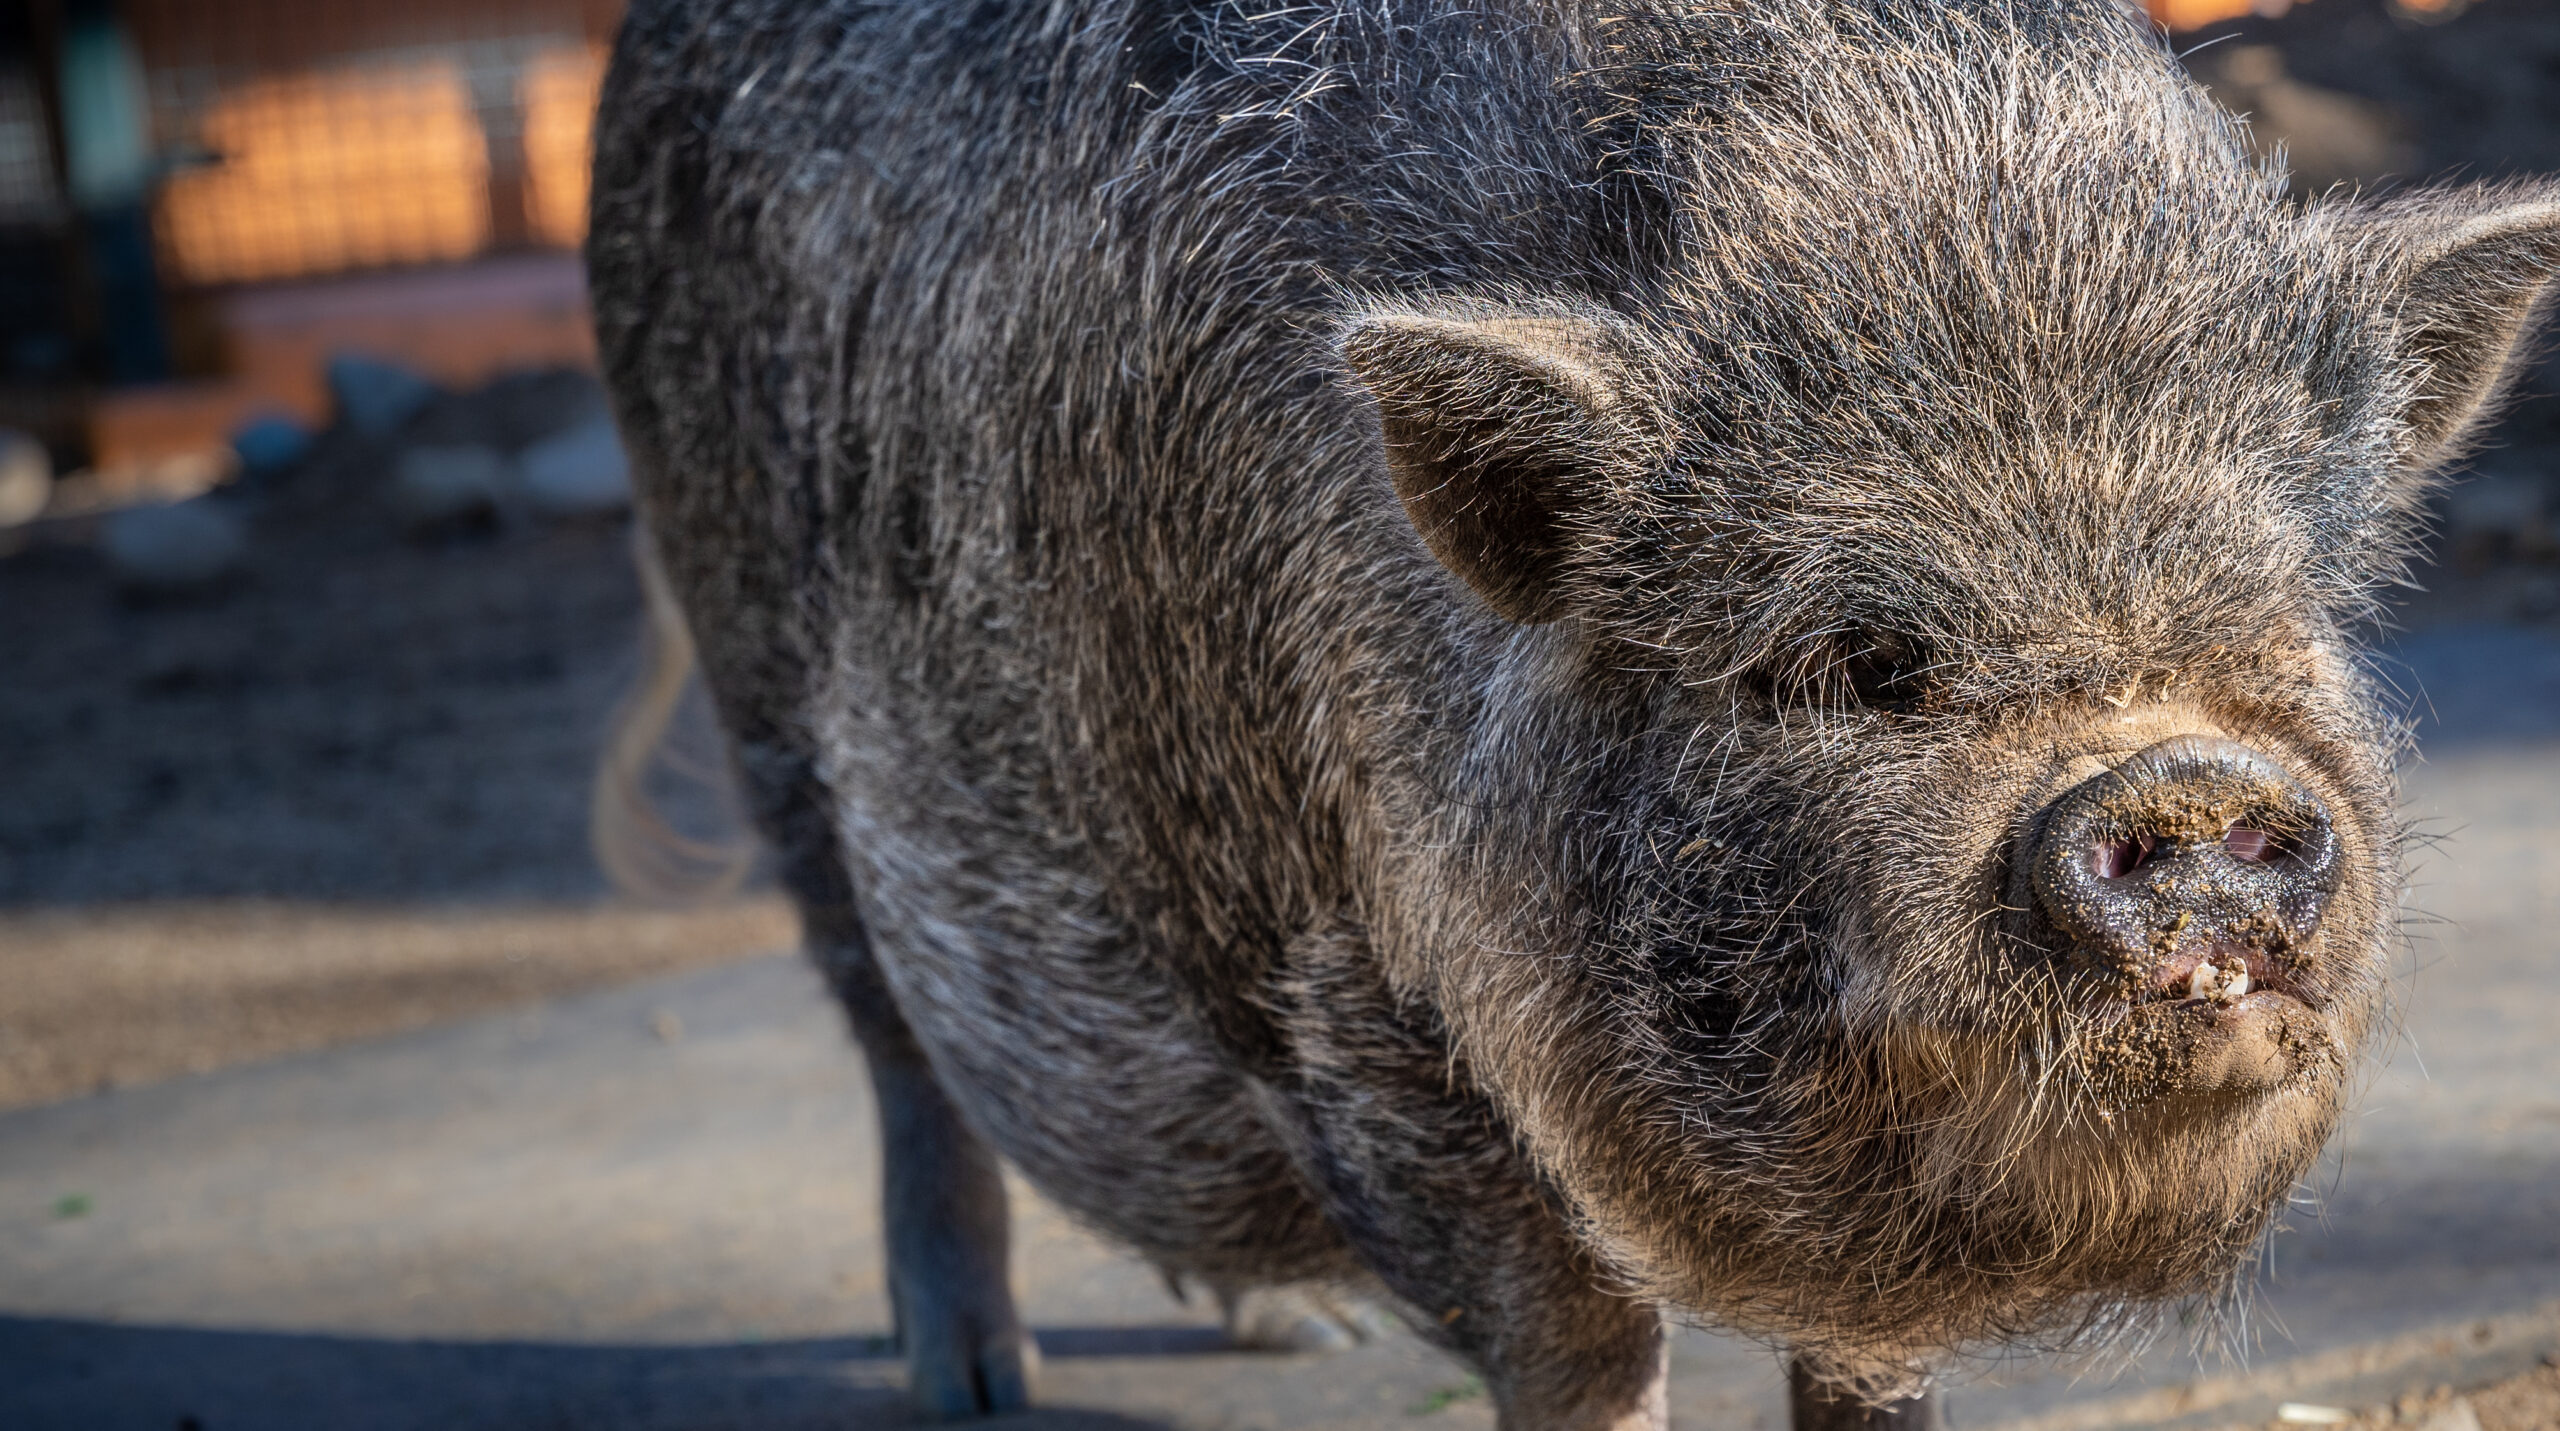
[(1840, 426)]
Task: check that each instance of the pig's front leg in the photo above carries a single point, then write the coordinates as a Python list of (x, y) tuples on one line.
[(1814, 1406), (942, 1200), (1429, 1189)]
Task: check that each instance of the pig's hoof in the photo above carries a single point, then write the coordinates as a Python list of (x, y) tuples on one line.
[(1294, 1319), (959, 1379), (957, 1368)]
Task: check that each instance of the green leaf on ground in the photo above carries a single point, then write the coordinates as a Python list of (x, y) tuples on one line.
[(1446, 1397)]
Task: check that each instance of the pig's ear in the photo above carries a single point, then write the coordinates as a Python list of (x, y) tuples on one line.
[(1499, 432), (2484, 267)]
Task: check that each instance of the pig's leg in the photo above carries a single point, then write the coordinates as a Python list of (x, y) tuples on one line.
[(1814, 1406), (942, 1206), (1428, 1188), (942, 1195)]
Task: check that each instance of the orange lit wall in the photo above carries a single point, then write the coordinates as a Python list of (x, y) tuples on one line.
[(2192, 14), (331, 136), (2189, 14), (559, 105), (358, 168)]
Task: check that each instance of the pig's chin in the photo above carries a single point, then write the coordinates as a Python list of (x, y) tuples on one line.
[(2152, 1174), (2207, 1026), (2210, 1025), (2207, 1051), (2021, 1196)]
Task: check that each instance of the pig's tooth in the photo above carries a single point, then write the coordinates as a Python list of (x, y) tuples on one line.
[(2237, 984), (2205, 979)]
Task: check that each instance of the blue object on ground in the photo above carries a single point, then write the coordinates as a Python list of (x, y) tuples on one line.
[(578, 473), (269, 443), (374, 396), (175, 547)]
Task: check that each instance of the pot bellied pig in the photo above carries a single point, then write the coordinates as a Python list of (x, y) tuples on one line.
[(1569, 661)]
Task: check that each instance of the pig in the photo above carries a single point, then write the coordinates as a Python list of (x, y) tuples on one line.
[(1572, 665)]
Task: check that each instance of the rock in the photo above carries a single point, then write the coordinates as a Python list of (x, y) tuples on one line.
[(177, 547), (440, 487), (26, 478), (268, 444), (2454, 1415), (582, 472), (373, 396)]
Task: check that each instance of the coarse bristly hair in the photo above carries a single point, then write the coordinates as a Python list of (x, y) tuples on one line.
[(1839, 425)]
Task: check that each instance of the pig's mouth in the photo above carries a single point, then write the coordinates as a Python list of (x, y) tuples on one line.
[(2210, 1016), (2222, 973)]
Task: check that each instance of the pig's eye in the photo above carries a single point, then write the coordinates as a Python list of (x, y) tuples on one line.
[(1883, 671)]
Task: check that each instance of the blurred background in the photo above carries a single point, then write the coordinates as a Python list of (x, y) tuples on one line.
[(314, 593), (338, 1087)]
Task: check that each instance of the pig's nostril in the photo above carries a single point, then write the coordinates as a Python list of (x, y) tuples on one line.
[(2114, 859), (2192, 838), (2252, 846)]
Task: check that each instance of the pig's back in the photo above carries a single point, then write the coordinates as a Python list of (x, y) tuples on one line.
[(987, 345), (976, 362)]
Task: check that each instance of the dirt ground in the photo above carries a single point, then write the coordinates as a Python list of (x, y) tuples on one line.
[(341, 793), (2467, 93), (2530, 1402), (126, 994), (2365, 95), (2526, 1402), (359, 715)]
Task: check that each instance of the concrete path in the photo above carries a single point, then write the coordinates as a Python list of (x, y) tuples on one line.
[(654, 1208)]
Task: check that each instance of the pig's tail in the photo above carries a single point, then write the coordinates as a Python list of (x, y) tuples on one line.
[(640, 850)]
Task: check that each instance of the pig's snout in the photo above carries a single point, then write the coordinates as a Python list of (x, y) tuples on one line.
[(2198, 869)]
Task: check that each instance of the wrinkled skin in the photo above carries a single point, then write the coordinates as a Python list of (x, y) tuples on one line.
[(1432, 647)]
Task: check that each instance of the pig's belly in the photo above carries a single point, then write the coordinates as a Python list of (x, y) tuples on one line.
[(1059, 1039)]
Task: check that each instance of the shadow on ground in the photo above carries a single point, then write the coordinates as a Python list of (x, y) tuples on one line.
[(206, 1380)]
